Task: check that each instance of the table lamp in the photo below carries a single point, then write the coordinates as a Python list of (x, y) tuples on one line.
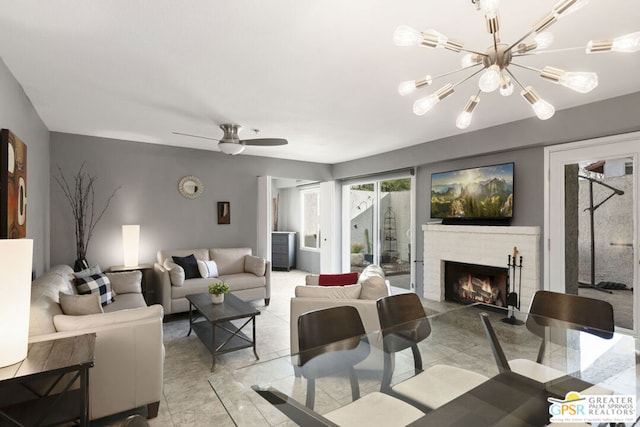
[(131, 244), (15, 299)]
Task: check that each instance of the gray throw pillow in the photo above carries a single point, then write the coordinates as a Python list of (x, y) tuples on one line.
[(79, 305)]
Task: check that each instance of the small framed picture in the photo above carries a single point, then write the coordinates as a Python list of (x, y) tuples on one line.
[(224, 214)]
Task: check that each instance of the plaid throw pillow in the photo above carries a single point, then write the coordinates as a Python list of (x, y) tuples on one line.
[(96, 283)]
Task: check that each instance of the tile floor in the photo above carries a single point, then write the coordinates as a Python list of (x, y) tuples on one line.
[(195, 396)]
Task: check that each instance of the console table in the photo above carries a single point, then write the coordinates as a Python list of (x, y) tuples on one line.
[(38, 390)]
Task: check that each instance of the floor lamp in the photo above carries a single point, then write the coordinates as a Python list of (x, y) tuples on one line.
[(15, 299)]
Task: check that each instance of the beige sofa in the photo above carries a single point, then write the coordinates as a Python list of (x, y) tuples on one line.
[(363, 295), (249, 277), (129, 352)]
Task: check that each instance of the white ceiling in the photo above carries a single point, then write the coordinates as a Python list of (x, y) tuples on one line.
[(322, 74)]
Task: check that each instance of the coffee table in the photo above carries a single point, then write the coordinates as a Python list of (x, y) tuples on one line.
[(212, 323)]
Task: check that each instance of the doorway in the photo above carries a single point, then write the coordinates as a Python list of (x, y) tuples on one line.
[(377, 224), (591, 222)]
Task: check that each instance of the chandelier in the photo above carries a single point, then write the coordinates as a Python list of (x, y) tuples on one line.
[(496, 62)]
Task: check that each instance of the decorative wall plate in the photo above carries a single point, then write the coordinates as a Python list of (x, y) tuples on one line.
[(190, 187)]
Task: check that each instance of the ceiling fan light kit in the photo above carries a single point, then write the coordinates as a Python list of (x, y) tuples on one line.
[(495, 72), (231, 142)]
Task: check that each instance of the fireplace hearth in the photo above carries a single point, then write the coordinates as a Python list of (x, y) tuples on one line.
[(471, 283)]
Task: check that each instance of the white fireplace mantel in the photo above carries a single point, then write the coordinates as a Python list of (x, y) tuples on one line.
[(482, 245)]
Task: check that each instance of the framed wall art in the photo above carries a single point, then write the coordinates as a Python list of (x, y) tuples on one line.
[(224, 214), (13, 186)]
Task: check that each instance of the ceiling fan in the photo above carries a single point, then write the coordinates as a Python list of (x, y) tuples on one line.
[(232, 144)]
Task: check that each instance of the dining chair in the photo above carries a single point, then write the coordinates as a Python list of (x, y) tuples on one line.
[(404, 324), (372, 410), (565, 311), (330, 343)]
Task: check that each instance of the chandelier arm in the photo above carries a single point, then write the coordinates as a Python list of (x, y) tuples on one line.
[(540, 52), (474, 52), (526, 67), (531, 31), (467, 78), (514, 78), (455, 71)]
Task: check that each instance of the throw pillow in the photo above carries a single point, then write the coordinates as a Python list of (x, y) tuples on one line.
[(176, 273), (373, 288), (338, 279), (208, 268), (87, 272), (96, 283), (254, 264), (79, 305), (189, 264), (334, 292)]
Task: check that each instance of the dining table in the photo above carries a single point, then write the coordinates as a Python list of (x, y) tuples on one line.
[(598, 368)]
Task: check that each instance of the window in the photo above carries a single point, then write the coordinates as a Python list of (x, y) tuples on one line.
[(310, 219)]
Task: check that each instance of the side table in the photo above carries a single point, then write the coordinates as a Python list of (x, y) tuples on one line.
[(147, 292), (38, 390)]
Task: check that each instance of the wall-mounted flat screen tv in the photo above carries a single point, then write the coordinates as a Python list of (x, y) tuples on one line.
[(483, 194)]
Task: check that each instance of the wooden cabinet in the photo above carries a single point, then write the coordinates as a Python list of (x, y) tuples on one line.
[(283, 250)]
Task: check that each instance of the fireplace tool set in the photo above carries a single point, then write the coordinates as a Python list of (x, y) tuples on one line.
[(513, 298)]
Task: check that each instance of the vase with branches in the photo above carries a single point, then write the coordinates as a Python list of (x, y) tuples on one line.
[(80, 193)]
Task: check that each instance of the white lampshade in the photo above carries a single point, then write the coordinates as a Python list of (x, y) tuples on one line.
[(15, 298), (232, 148), (131, 244)]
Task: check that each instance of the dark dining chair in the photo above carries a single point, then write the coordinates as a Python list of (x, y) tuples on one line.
[(562, 311), (404, 324), (330, 343)]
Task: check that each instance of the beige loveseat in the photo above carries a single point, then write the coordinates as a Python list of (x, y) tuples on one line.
[(363, 295), (248, 276), (129, 352)]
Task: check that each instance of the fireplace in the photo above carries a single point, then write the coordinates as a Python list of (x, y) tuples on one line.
[(470, 283)]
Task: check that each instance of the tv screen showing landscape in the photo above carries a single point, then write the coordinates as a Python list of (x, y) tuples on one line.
[(476, 193)]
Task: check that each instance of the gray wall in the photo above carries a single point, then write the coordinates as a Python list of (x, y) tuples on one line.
[(521, 142), (148, 175), (18, 115)]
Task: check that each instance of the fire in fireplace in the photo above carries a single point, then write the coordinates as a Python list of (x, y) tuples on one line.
[(471, 283)]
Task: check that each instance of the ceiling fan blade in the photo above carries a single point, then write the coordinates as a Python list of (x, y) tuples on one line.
[(264, 141), (195, 136)]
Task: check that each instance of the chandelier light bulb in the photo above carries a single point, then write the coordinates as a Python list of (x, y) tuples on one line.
[(490, 8), (470, 59), (410, 86), (542, 108), (423, 105), (579, 81), (464, 119), (406, 87), (565, 7), (406, 36), (506, 87), (432, 38), (628, 43), (543, 40), (490, 79)]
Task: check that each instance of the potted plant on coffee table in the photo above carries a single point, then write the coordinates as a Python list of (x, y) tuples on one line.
[(217, 291)]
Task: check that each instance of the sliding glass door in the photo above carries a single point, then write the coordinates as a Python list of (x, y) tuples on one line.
[(379, 227)]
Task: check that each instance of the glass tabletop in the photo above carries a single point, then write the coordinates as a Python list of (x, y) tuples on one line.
[(457, 338)]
